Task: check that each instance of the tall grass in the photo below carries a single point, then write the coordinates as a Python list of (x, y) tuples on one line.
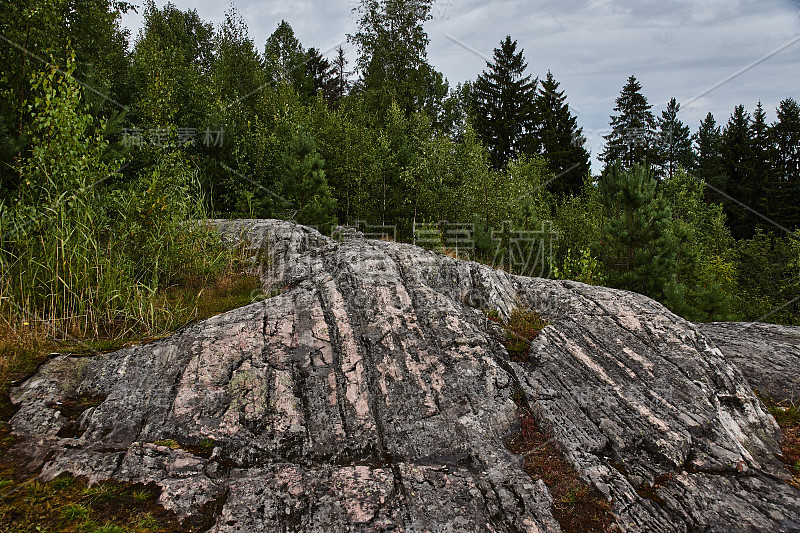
[(80, 258)]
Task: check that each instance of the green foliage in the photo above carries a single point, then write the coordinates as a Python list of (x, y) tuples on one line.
[(34, 30), (152, 214), (708, 157), (577, 220), (703, 286), (521, 327), (110, 527), (674, 142), (285, 60), (353, 158), (526, 192), (76, 512), (171, 61), (768, 277), (637, 246), (580, 266), (392, 45), (80, 256), (141, 495), (340, 82), (785, 156), (741, 180), (454, 119), (53, 250), (322, 75)]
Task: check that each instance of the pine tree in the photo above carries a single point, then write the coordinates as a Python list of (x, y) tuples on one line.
[(561, 139), (785, 187), (502, 104), (674, 141), (305, 185), (633, 136), (637, 247)]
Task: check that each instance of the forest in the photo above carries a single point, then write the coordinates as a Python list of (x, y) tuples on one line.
[(112, 146)]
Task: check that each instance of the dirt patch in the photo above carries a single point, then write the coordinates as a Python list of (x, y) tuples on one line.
[(787, 414), (577, 506)]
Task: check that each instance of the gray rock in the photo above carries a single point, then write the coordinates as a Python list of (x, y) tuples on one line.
[(767, 354), (373, 394)]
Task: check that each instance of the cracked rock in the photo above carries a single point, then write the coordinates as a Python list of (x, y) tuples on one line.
[(370, 393)]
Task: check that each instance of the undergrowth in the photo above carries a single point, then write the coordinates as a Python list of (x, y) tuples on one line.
[(519, 330), (787, 414), (577, 506), (71, 505)]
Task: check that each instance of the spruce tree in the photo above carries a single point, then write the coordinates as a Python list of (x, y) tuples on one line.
[(322, 74), (760, 164), (674, 141), (341, 76), (708, 156), (785, 187), (561, 139), (633, 130), (502, 104), (637, 246), (737, 157)]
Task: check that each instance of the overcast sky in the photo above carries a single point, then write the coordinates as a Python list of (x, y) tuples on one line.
[(679, 48)]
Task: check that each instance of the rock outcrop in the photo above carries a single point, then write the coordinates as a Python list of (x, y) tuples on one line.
[(368, 391), (767, 354)]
